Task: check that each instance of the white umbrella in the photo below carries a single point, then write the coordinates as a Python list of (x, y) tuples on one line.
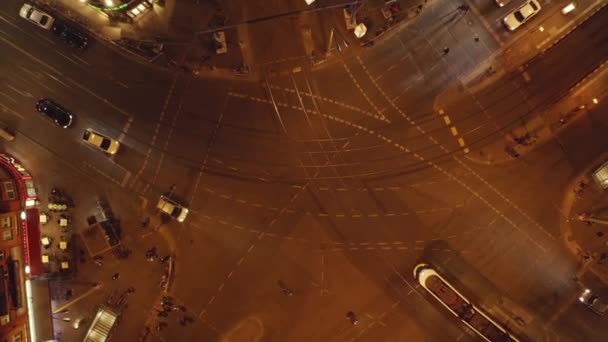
[(360, 30)]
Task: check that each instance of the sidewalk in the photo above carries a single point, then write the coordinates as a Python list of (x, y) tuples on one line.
[(545, 126), (587, 241), (523, 50), (380, 22), (164, 36)]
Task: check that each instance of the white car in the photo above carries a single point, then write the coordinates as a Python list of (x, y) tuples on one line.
[(521, 14), (172, 208), (36, 16), (100, 141)]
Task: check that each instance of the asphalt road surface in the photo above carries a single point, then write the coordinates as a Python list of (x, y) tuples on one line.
[(333, 182)]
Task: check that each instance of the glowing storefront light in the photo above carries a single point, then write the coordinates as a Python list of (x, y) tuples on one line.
[(30, 305), (24, 180), (569, 8)]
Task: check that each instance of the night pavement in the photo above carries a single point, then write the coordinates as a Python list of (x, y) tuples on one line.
[(335, 181)]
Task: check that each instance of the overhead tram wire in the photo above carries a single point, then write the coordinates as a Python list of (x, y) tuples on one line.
[(195, 164), (280, 15)]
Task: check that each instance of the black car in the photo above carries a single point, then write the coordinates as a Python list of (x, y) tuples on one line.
[(55, 112), (72, 36)]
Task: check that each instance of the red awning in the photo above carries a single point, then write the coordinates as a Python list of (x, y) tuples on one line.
[(31, 252)]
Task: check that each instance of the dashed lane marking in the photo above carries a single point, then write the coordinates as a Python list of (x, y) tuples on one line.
[(334, 102), (356, 83), (103, 174), (163, 112), (450, 175)]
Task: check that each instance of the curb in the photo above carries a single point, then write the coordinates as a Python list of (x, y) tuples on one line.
[(566, 206), (81, 22)]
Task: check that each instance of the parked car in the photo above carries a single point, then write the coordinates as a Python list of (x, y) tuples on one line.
[(71, 35), (100, 141), (503, 3), (55, 112), (172, 208), (521, 14), (36, 16), (593, 302)]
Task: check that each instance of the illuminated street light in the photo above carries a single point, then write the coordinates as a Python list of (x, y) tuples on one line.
[(109, 3), (569, 8), (309, 2), (541, 29), (595, 101)]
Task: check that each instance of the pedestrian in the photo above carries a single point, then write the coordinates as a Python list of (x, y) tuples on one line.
[(115, 276), (446, 50), (352, 318), (464, 8)]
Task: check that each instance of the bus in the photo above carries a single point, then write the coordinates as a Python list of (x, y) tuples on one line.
[(460, 306)]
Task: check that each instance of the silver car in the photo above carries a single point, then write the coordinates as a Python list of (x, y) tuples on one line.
[(521, 14), (172, 208), (36, 16)]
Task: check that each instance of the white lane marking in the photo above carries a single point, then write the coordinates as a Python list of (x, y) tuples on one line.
[(81, 60), (56, 79), (92, 93), (125, 130), (10, 23), (119, 83), (45, 38), (5, 109), (12, 98), (34, 74), (20, 92), (68, 58), (152, 143), (122, 84), (125, 179), (30, 55)]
